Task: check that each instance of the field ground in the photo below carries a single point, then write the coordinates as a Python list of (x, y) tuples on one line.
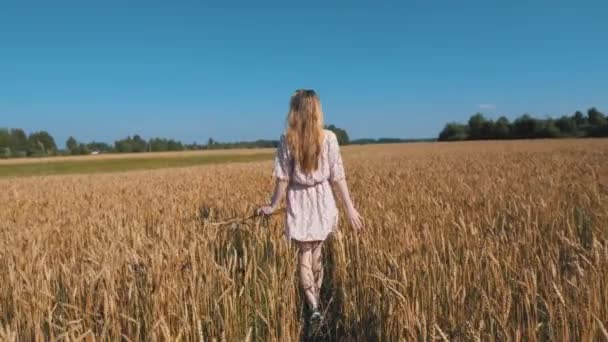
[(112, 156), (474, 241), (118, 163)]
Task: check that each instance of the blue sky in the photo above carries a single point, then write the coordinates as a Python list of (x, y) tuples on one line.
[(102, 70)]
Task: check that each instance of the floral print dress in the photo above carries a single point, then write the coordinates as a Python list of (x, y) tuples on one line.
[(312, 213)]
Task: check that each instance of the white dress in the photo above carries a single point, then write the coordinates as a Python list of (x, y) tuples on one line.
[(311, 208)]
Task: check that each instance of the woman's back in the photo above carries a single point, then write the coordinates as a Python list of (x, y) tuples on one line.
[(330, 163)]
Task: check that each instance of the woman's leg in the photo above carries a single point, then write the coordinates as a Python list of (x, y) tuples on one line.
[(307, 279), (317, 268)]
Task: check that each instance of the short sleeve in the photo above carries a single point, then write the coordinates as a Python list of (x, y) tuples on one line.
[(282, 161), (336, 167)]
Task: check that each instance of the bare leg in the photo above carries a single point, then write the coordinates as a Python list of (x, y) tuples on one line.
[(307, 278), (317, 268)]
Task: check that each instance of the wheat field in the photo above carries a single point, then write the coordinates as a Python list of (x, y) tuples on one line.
[(474, 241)]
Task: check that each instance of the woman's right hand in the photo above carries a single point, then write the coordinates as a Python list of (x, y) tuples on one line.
[(266, 210), (356, 221)]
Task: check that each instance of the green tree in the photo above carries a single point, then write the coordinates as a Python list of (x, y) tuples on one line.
[(487, 130), (550, 129), (71, 145), (35, 147), (454, 131), (5, 138), (131, 144), (566, 125), (99, 146), (526, 127), (579, 119), (82, 149), (139, 144), (159, 145), (502, 129), (123, 145), (46, 139), (476, 125), (41, 143), (18, 141), (595, 117), (173, 145)]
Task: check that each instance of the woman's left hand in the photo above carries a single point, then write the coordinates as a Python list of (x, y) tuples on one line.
[(265, 210)]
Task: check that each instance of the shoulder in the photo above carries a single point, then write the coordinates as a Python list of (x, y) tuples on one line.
[(329, 135), (282, 145), (282, 138)]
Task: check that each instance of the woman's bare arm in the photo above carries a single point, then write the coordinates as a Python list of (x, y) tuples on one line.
[(344, 193), (280, 188), (351, 212)]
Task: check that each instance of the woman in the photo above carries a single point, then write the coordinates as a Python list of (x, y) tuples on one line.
[(308, 159)]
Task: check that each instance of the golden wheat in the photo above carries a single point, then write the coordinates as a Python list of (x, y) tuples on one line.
[(464, 241)]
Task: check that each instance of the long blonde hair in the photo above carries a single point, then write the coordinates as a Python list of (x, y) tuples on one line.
[(305, 129)]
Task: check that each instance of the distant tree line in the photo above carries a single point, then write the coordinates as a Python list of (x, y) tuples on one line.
[(216, 145), (136, 144), (593, 124), (16, 143), (388, 141), (73, 147)]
